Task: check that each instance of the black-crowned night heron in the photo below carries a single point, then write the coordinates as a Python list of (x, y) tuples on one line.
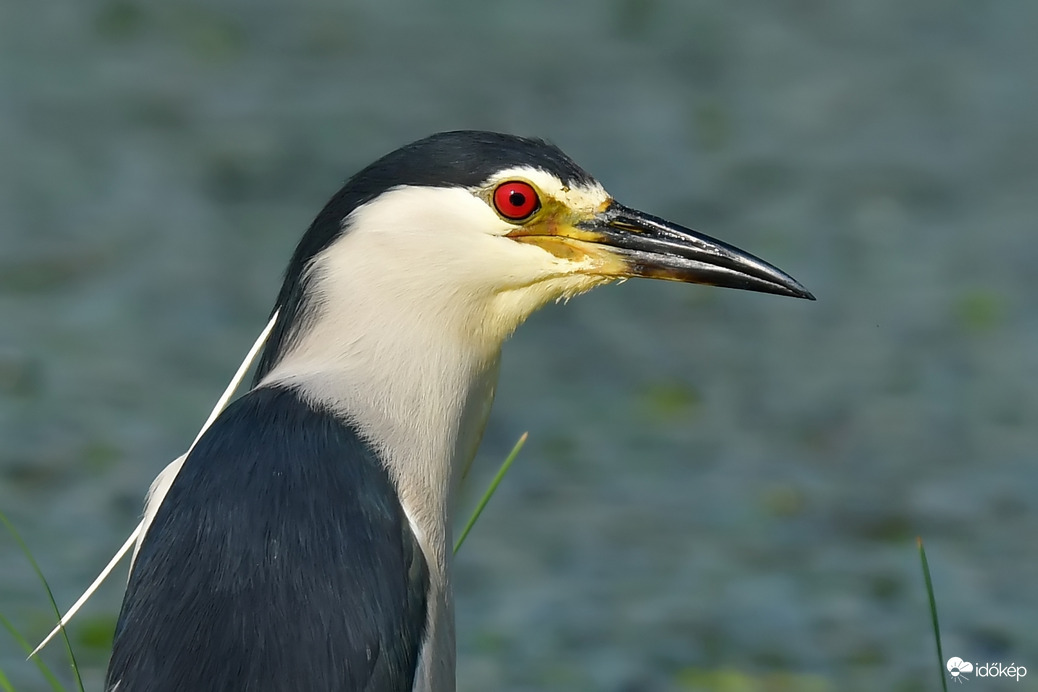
[(304, 542)]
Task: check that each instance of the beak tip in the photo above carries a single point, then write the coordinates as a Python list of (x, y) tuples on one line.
[(788, 285), (804, 293), (783, 284)]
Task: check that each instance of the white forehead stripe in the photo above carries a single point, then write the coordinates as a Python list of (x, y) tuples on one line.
[(579, 197)]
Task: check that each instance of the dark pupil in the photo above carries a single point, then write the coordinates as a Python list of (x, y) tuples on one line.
[(516, 198)]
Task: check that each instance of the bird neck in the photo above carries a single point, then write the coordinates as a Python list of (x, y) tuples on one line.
[(421, 400)]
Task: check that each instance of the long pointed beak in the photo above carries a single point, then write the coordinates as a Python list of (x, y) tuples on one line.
[(652, 247)]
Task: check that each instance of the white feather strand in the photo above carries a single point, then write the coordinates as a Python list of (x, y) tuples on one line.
[(158, 490)]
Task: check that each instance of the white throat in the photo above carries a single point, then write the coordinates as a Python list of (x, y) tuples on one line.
[(416, 395)]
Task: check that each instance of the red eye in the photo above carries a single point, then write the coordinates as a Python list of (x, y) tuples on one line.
[(516, 200)]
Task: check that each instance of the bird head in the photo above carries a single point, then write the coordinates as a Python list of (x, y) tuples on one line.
[(473, 231)]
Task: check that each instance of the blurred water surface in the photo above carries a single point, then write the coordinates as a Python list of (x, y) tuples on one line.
[(715, 481)]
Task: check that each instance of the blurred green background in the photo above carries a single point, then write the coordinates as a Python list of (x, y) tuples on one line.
[(720, 488)]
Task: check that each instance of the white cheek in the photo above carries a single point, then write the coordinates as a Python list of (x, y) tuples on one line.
[(439, 255), (443, 239)]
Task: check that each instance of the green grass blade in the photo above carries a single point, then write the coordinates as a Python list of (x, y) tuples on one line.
[(505, 465), (933, 613), (44, 668), (50, 596), (5, 684)]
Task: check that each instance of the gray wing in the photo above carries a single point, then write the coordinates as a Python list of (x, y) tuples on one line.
[(280, 560)]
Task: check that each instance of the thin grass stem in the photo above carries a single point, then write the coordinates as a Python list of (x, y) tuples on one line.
[(505, 465), (5, 684), (22, 642), (50, 596), (933, 613)]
